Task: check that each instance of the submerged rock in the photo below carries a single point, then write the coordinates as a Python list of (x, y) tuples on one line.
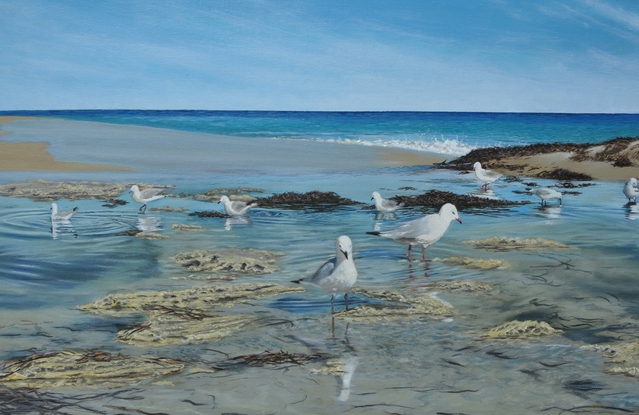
[(437, 198), (186, 228), (520, 330), (243, 261), (474, 263), (467, 286), (626, 355), (504, 243), (200, 298), (169, 209), (172, 326), (91, 368), (211, 277), (237, 193), (150, 236), (293, 200), (50, 191)]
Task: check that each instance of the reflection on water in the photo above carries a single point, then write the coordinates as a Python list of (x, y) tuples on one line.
[(349, 364), (235, 221), (632, 211), (484, 193), (550, 212), (61, 226), (149, 223)]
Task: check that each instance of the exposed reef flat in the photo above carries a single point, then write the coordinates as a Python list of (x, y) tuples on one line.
[(437, 198), (520, 330), (624, 355), (505, 243), (615, 159), (243, 261), (91, 368), (474, 263), (50, 191)]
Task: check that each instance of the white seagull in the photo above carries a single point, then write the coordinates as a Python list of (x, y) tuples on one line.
[(235, 208), (630, 190), (424, 231), (545, 194), (385, 205), (337, 275), (64, 215), (485, 176), (145, 196)]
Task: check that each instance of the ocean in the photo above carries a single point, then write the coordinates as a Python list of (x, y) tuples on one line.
[(404, 365)]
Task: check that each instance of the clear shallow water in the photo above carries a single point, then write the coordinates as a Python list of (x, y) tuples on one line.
[(416, 366)]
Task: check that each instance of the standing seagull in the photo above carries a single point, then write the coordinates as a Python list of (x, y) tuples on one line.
[(64, 215), (425, 231), (337, 275), (485, 176), (145, 196), (235, 208), (385, 205), (546, 194), (630, 190)]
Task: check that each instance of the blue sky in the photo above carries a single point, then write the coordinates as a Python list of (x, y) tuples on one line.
[(335, 55)]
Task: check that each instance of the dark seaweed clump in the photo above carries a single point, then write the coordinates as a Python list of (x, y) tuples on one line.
[(209, 214), (564, 175), (437, 198), (297, 200)]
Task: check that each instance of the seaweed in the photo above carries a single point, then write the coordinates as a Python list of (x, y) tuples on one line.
[(437, 198), (294, 200)]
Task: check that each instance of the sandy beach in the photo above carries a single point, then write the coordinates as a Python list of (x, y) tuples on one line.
[(35, 157)]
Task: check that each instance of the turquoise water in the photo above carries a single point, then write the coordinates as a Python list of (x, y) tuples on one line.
[(410, 367)]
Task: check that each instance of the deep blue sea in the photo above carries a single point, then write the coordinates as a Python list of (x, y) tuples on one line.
[(451, 133), (408, 365)]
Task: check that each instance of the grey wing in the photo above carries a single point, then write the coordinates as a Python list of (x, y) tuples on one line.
[(412, 229), (492, 174), (391, 204), (149, 193), (323, 272), (66, 212), (237, 206)]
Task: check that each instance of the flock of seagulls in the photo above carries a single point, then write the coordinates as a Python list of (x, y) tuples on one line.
[(339, 274)]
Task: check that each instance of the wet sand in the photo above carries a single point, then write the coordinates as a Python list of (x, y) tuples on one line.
[(35, 157)]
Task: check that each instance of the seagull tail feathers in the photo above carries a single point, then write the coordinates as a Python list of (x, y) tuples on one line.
[(373, 233), (298, 281)]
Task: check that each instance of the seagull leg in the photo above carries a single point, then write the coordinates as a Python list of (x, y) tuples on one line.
[(332, 300), (143, 209), (408, 254), (346, 300), (423, 254)]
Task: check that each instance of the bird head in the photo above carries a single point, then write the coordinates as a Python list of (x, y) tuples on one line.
[(134, 188), (345, 246), (449, 212), (477, 166)]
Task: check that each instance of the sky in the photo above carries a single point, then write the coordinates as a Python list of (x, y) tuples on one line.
[(325, 55)]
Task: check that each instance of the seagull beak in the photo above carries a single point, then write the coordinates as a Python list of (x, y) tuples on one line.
[(459, 220), (345, 254)]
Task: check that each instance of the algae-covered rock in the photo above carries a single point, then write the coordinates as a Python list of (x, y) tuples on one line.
[(244, 261), (504, 243), (414, 307), (380, 295), (474, 263), (237, 193), (520, 330), (468, 286), (150, 236), (183, 327), (92, 368), (626, 355), (186, 228), (200, 298), (209, 277), (49, 191)]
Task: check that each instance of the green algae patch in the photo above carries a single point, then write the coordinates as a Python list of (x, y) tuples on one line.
[(474, 263), (150, 236), (504, 243), (520, 330), (243, 261), (200, 298), (92, 369), (185, 228), (464, 286), (380, 295), (207, 277), (182, 327), (50, 191), (625, 355)]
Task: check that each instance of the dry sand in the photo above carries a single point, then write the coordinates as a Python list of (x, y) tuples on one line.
[(35, 157)]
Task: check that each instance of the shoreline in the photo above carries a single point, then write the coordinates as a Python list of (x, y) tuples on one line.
[(33, 156)]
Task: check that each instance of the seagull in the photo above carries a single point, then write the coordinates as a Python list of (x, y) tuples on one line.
[(235, 208), (630, 190), (385, 205), (337, 275), (145, 196), (546, 194), (485, 176), (64, 215), (424, 231)]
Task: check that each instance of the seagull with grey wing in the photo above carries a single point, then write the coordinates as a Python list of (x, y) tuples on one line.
[(385, 205), (630, 190), (545, 194), (235, 208), (485, 176), (61, 215), (337, 275), (145, 196), (424, 231)]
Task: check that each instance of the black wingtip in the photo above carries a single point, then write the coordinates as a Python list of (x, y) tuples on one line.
[(297, 281), (75, 209), (373, 233)]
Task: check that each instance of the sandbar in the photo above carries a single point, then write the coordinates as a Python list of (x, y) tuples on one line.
[(33, 156)]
